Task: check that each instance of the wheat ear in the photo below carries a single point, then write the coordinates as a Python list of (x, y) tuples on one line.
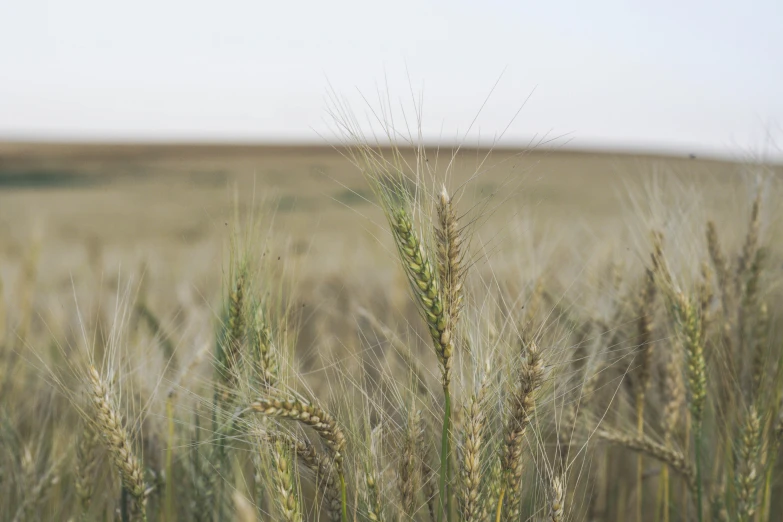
[(556, 499), (372, 479), (286, 484), (751, 240), (719, 263), (86, 464), (676, 460), (37, 493), (450, 271), (319, 420), (470, 502), (324, 473), (522, 407), (689, 326), (109, 424), (263, 351), (235, 331), (425, 286), (408, 472), (746, 473)]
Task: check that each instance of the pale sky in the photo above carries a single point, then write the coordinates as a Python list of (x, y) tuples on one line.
[(684, 75)]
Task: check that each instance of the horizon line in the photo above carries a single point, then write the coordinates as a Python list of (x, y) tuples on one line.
[(596, 147)]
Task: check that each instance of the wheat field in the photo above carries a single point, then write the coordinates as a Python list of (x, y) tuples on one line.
[(359, 333)]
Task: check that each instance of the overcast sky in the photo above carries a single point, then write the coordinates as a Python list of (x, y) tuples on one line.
[(663, 75)]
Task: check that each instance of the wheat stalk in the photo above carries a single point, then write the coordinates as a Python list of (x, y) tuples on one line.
[(644, 330), (425, 287), (86, 464), (689, 325), (675, 398), (157, 330)]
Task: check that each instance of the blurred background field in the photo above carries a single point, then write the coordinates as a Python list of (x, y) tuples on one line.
[(161, 217), (168, 199), (165, 214), (127, 256)]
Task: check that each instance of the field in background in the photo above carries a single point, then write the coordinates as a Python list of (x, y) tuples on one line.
[(560, 244), (170, 198)]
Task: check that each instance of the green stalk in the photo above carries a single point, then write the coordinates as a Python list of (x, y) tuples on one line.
[(639, 457), (697, 433), (445, 458), (343, 497), (499, 510), (766, 494), (169, 502), (665, 486)]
